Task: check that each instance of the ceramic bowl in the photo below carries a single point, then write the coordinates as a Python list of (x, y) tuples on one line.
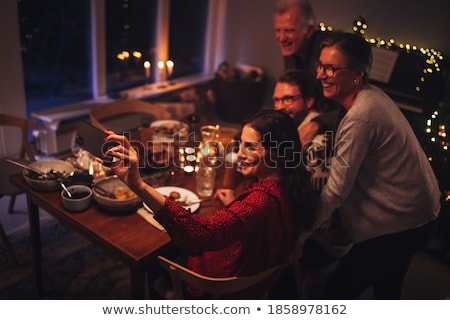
[(121, 200), (80, 200), (168, 130), (83, 178), (39, 183)]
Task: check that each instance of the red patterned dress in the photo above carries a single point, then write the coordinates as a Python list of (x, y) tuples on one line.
[(253, 233)]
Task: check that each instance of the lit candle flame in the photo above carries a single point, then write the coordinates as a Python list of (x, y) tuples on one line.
[(147, 66), (162, 71), (169, 65)]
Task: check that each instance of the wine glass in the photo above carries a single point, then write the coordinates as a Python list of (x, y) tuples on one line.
[(212, 154)]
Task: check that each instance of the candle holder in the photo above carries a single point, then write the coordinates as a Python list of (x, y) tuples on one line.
[(147, 67), (169, 66), (188, 161), (162, 74)]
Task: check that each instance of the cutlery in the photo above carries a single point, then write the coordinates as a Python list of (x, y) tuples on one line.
[(52, 174), (46, 175), (191, 202), (65, 188), (104, 192)]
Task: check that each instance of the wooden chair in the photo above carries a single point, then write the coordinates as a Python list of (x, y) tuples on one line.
[(215, 286), (114, 113), (25, 153)]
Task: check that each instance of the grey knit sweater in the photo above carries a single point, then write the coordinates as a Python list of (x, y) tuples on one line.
[(380, 177)]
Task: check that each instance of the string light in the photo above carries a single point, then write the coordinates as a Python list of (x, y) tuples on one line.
[(432, 66), (438, 132), (431, 57)]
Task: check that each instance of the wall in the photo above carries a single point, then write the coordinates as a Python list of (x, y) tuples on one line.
[(250, 36), (11, 80)]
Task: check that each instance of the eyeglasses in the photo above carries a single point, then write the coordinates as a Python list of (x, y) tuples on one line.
[(328, 69), (287, 100)]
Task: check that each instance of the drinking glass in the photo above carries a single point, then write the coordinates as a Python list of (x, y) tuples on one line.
[(212, 154), (205, 180)]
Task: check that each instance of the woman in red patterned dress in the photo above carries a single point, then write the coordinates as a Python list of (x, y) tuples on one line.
[(253, 231)]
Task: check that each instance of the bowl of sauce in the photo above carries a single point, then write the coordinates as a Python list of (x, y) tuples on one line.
[(79, 199)]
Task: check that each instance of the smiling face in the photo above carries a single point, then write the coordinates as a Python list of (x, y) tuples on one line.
[(298, 108), (251, 154), (345, 83), (290, 32)]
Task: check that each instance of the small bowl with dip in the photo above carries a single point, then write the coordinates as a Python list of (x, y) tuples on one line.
[(79, 199)]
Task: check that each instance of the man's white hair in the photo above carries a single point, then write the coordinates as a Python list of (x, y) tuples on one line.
[(306, 10)]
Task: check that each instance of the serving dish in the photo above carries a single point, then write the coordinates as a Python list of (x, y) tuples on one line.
[(113, 196), (38, 182)]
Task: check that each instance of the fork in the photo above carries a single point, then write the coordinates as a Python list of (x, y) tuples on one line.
[(191, 202)]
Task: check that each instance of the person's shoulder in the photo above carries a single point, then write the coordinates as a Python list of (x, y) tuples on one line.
[(376, 95), (372, 103), (267, 188)]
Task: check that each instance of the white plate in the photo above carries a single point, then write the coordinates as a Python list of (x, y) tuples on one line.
[(171, 128), (185, 194)]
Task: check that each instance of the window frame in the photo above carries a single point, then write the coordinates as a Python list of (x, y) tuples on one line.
[(214, 45)]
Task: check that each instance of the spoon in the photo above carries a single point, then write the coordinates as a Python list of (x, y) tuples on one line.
[(65, 188), (104, 192), (42, 173)]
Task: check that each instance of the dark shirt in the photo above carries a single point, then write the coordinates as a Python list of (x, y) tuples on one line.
[(310, 62)]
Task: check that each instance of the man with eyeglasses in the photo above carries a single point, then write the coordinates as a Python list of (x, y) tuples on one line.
[(299, 39), (299, 95)]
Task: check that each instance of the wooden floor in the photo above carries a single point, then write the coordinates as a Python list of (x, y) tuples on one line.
[(427, 278)]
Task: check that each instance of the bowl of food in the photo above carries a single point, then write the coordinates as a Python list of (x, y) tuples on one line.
[(52, 169), (79, 198), (168, 130), (113, 196), (165, 134)]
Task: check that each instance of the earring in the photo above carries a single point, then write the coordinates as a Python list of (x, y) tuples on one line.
[(355, 82)]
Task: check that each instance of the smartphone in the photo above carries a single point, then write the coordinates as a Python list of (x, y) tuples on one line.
[(92, 139)]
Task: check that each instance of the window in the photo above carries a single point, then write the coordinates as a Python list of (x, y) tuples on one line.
[(55, 52), (130, 41), (61, 68), (187, 36)]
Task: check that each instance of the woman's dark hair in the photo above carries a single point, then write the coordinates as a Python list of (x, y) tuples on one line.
[(355, 48), (280, 138), (307, 84)]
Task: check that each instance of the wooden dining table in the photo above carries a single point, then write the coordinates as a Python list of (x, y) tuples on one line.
[(129, 237)]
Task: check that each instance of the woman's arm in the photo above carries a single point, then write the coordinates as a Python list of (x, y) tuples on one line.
[(127, 169)]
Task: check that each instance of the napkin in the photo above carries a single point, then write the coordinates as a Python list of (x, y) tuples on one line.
[(149, 217)]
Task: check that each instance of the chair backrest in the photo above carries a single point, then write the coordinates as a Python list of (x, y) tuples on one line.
[(217, 286), (24, 125), (116, 109)]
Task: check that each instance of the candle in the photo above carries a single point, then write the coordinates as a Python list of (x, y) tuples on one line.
[(162, 71), (169, 65), (147, 66)]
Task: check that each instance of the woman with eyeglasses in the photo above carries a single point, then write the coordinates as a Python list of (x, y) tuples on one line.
[(380, 179), (299, 94), (255, 230)]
